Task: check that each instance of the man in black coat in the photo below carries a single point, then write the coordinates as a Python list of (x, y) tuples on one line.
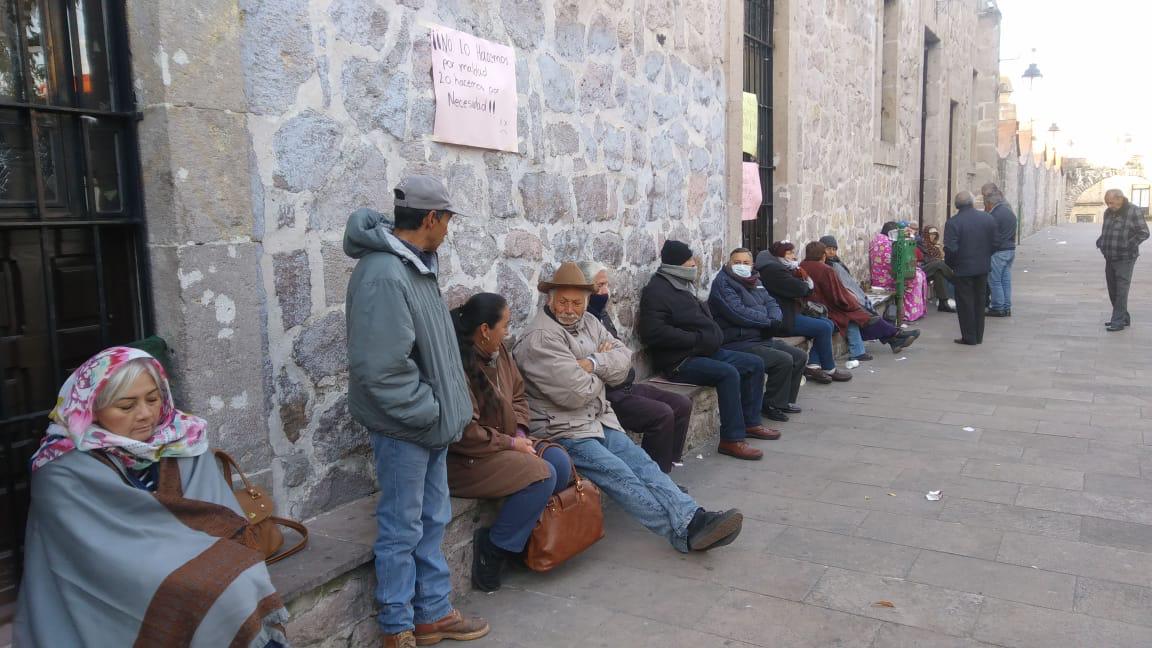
[(683, 343), (969, 241)]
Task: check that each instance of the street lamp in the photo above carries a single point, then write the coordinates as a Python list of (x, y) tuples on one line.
[(1033, 72)]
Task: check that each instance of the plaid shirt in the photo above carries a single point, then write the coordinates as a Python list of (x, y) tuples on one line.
[(1124, 231)]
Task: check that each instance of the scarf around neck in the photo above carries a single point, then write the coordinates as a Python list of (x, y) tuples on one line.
[(681, 277), (73, 421)]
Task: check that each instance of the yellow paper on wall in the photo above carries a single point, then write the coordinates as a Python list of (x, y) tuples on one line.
[(751, 123)]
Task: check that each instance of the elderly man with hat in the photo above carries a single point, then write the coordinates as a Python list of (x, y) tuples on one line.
[(567, 357), (683, 342), (407, 387)]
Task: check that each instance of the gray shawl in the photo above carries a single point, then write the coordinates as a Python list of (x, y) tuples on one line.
[(107, 564)]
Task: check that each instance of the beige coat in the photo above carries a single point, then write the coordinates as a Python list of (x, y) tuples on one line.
[(566, 401)]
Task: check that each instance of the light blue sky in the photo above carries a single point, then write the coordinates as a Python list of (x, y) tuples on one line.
[(1096, 58)]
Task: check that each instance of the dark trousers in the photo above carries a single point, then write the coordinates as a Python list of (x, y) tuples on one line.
[(783, 370), (661, 416), (738, 379), (1118, 275), (938, 273), (970, 298), (521, 510)]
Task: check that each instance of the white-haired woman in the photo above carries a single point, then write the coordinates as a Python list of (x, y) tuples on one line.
[(660, 416), (133, 536)]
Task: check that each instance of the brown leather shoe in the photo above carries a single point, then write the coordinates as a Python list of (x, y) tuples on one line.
[(740, 450), (818, 375), (840, 375), (455, 626), (402, 640), (761, 432)]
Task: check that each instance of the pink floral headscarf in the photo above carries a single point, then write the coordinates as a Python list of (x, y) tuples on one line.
[(74, 427)]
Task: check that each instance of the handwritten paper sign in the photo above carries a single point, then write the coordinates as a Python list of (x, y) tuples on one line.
[(475, 85), (751, 123), (753, 194)]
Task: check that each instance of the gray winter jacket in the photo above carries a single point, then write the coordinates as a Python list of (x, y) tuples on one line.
[(405, 378)]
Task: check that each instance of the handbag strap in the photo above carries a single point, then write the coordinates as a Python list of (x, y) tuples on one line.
[(544, 445), (298, 547), (227, 464)]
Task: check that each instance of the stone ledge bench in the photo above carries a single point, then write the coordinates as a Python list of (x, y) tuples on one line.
[(328, 587)]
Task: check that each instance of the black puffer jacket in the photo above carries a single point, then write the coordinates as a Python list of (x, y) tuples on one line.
[(782, 285), (674, 325)]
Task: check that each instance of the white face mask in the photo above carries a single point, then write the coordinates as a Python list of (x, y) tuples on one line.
[(741, 270)]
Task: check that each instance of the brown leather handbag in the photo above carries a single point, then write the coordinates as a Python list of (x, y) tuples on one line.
[(263, 533), (572, 522)]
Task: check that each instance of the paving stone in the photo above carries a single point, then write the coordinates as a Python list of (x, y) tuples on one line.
[(1094, 561), (1024, 474), (1116, 601), (1112, 507), (844, 551), (892, 635), (1115, 533), (846, 471), (964, 487), (1117, 485), (1010, 582), (876, 498), (995, 422), (767, 621), (1010, 518), (790, 511), (922, 606), (1025, 626), (931, 534), (1112, 463)]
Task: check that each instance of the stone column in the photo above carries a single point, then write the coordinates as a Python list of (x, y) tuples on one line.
[(204, 240)]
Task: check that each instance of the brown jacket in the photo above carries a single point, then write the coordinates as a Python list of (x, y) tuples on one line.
[(568, 402), (482, 463)]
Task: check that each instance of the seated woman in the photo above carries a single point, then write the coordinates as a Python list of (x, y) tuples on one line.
[(843, 309), (660, 416), (932, 251), (789, 285), (880, 258), (495, 458), (134, 537)]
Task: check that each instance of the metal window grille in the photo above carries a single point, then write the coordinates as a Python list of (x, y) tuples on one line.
[(758, 79), (72, 271)]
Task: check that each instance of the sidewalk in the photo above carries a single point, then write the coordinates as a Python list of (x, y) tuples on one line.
[(1043, 537)]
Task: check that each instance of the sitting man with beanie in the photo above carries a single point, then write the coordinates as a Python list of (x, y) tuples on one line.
[(567, 358), (683, 343), (856, 349)]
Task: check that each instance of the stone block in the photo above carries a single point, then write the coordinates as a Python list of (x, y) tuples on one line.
[(1009, 582), (338, 269), (340, 484), (921, 606), (294, 404), (751, 618), (591, 198), (276, 52), (1010, 518), (519, 244), (562, 139), (1024, 474), (608, 248), (358, 178), (838, 550), (602, 36), (1114, 533), (1115, 601), (477, 252), (596, 88), (321, 349), (1081, 559), (547, 197), (376, 96), (1097, 461), (195, 173), (1027, 626), (1138, 511), (558, 83), (338, 436), (570, 38), (293, 281), (524, 21), (333, 606), (501, 194), (931, 534), (362, 22)]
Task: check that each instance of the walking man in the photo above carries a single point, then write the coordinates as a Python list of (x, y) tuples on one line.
[(407, 387), (969, 239), (1125, 228), (1000, 278)]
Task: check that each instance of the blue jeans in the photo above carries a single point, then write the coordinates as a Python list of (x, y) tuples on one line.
[(413, 582), (739, 381), (1000, 280), (521, 510), (626, 473), (856, 346), (820, 330)]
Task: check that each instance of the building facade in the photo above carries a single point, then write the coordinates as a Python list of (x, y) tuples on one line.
[(233, 137)]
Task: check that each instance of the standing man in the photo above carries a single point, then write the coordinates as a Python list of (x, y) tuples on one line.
[(1000, 279), (407, 387), (969, 240), (1125, 228)]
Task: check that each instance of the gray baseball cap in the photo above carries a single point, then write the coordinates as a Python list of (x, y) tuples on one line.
[(424, 193)]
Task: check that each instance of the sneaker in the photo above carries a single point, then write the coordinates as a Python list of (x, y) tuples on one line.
[(455, 626), (709, 528)]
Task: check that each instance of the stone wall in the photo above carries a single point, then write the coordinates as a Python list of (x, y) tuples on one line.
[(268, 121), (835, 172), (1035, 189)]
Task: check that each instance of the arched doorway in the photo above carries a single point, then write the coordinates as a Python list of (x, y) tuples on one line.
[(1088, 207)]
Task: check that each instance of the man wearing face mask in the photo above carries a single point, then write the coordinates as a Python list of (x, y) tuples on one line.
[(683, 343), (660, 416)]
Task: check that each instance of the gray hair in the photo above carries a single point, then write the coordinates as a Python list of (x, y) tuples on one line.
[(121, 381), (591, 269), (992, 192), (1114, 193), (963, 199)]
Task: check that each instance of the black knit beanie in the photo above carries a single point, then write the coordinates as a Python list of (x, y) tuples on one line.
[(675, 253)]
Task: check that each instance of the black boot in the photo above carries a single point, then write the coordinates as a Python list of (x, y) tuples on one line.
[(709, 529), (488, 562)]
